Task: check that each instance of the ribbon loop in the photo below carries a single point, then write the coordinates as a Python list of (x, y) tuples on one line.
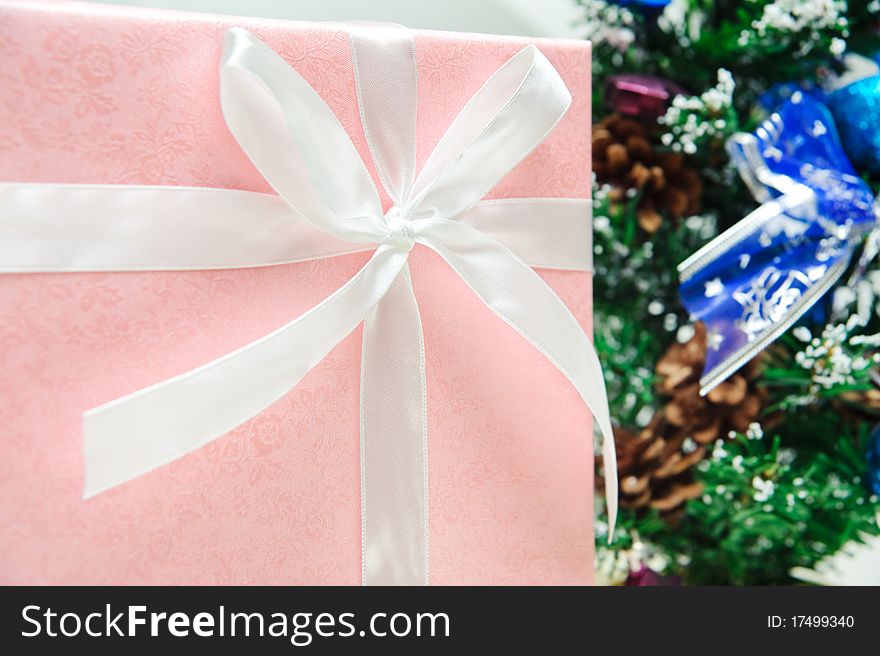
[(296, 141), (387, 90), (501, 124)]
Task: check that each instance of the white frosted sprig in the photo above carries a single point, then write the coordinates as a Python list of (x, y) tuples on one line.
[(799, 15), (804, 23), (865, 340), (608, 23), (764, 489), (692, 120), (837, 47), (683, 21), (836, 357), (613, 566)]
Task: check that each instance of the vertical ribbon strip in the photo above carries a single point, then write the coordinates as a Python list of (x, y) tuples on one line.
[(394, 412)]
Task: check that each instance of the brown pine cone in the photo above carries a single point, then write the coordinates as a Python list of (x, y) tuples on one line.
[(867, 399), (731, 406), (624, 156), (655, 467), (860, 405)]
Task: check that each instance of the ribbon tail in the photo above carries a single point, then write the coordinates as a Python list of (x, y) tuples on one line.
[(157, 425), (394, 441), (513, 291)]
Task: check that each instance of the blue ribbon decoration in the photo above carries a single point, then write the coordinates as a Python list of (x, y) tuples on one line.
[(754, 281)]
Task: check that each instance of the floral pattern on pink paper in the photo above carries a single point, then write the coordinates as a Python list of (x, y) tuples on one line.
[(95, 93)]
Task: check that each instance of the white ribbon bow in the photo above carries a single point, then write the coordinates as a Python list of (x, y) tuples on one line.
[(299, 146)]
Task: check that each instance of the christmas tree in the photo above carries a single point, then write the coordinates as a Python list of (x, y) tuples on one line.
[(746, 383)]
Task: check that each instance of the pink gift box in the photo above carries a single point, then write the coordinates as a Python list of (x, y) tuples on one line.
[(276, 501)]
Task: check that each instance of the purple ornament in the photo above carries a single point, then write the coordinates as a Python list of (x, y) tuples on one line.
[(645, 576), (643, 96)]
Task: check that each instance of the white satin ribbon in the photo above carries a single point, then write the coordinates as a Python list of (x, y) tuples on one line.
[(127, 228), (327, 205)]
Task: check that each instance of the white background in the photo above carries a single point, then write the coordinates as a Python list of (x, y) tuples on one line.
[(550, 18)]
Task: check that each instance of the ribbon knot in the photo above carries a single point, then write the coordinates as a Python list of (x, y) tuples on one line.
[(402, 233)]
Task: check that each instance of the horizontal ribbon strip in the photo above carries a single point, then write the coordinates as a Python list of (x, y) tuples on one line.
[(126, 228)]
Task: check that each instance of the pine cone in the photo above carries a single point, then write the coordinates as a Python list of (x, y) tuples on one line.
[(655, 467), (861, 405), (624, 156), (731, 406)]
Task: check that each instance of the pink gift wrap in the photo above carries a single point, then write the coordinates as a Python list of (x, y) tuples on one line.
[(97, 94)]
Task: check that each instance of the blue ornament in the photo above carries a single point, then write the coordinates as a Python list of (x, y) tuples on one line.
[(856, 110), (643, 3), (873, 461), (644, 6)]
